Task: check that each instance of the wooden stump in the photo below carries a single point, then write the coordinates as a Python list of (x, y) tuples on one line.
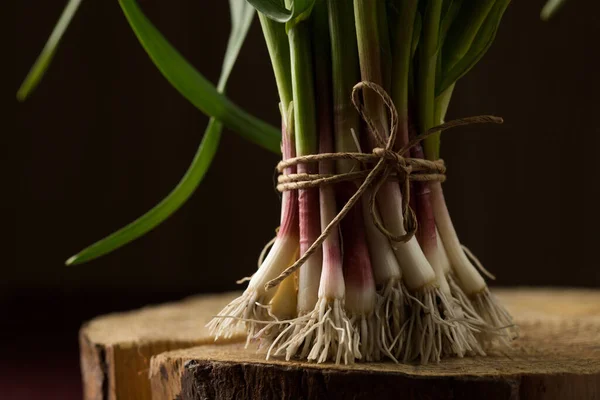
[(116, 349), (556, 357)]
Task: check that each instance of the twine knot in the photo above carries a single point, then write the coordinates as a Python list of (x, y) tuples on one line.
[(392, 157), (379, 167)]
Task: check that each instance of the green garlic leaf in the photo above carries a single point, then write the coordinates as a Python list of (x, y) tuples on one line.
[(464, 29), (416, 37), (482, 42), (241, 16), (452, 8), (43, 61), (194, 86), (163, 210), (276, 10), (551, 8)]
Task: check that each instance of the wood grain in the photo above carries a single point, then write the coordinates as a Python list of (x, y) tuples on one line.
[(556, 357), (116, 349), (134, 355)]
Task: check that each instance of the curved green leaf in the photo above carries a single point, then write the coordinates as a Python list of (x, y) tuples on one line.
[(43, 61), (241, 16), (276, 10), (464, 29), (418, 26), (170, 204), (482, 42), (551, 8), (449, 14), (279, 52), (194, 86)]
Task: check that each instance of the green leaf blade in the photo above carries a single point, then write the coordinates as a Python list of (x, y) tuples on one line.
[(482, 42), (194, 86), (551, 8), (464, 29), (276, 10), (178, 196), (37, 71), (242, 15)]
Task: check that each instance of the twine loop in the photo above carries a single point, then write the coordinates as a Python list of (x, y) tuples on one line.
[(383, 165)]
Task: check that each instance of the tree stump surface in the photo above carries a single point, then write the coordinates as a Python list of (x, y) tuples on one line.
[(115, 349), (556, 357)]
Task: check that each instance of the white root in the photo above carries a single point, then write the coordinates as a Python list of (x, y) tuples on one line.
[(460, 338), (469, 285), (244, 309), (323, 335), (251, 306), (464, 302), (498, 326), (390, 310), (282, 311), (391, 316), (366, 343), (423, 327), (502, 329), (434, 329)]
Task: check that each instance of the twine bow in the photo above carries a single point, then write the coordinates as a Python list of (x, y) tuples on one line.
[(388, 164)]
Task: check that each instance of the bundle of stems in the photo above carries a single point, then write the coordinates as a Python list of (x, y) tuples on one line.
[(367, 293), (363, 268)]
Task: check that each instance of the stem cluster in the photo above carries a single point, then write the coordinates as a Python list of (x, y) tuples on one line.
[(362, 296)]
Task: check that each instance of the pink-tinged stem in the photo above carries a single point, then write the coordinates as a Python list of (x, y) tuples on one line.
[(401, 140), (289, 199), (412, 202), (310, 271), (288, 147), (404, 121), (332, 279), (358, 272), (426, 233)]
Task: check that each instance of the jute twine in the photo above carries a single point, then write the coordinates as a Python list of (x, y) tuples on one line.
[(380, 166)]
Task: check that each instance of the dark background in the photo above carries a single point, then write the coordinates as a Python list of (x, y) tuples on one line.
[(105, 137)]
